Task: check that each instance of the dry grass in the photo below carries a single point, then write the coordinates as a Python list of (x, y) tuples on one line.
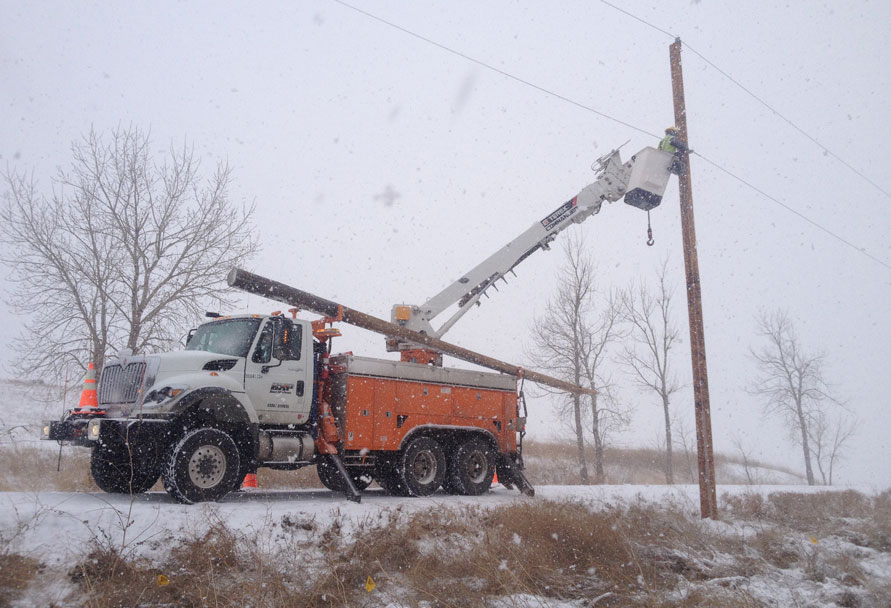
[(813, 513), (546, 549), (556, 550), (220, 567), (552, 463), (288, 480), (16, 573), (28, 468)]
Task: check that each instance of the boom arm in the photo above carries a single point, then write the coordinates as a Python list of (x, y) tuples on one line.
[(641, 181)]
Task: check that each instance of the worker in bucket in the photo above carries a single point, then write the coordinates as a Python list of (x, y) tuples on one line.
[(672, 143)]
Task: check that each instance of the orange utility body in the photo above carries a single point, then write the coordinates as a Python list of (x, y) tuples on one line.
[(379, 403)]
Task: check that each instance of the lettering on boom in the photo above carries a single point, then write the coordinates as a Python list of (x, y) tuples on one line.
[(560, 214)]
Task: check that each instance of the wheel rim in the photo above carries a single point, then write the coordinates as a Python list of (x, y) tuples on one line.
[(424, 468), (477, 467), (207, 466)]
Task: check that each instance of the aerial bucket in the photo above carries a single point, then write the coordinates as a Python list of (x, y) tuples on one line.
[(649, 177)]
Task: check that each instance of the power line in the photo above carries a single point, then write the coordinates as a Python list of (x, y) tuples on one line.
[(751, 94), (790, 123), (636, 18), (792, 210), (495, 69), (602, 114)]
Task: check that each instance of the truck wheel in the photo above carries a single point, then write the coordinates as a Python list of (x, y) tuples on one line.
[(471, 468), (421, 469), (331, 479), (110, 466), (387, 476), (204, 466)]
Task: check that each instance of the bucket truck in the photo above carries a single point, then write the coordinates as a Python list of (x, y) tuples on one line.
[(255, 391)]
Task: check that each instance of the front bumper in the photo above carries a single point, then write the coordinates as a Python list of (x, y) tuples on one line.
[(79, 431), (85, 431)]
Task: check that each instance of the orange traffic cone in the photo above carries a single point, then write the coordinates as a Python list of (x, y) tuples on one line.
[(495, 477), (250, 481), (89, 402)]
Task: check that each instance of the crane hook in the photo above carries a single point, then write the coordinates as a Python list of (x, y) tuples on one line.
[(650, 240)]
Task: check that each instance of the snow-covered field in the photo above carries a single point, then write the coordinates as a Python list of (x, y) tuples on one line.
[(57, 525), (60, 529)]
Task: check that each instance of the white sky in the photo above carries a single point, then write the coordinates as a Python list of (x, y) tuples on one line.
[(322, 112)]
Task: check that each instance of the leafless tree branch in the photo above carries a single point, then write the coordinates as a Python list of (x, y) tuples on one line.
[(125, 251), (647, 354), (570, 340), (792, 385)]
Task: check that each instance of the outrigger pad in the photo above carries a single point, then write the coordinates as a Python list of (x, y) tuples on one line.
[(511, 474)]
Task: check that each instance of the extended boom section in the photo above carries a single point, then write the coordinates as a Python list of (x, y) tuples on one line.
[(274, 290), (641, 181)]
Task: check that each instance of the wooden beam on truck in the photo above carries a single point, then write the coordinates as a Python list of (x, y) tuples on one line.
[(261, 286)]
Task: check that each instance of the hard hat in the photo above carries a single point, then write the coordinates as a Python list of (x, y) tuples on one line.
[(671, 130)]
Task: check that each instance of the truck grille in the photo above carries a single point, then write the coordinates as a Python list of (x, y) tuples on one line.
[(120, 384)]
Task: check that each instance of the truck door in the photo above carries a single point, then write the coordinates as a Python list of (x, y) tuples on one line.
[(278, 375)]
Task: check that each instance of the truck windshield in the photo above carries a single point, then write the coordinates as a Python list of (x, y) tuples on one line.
[(231, 337)]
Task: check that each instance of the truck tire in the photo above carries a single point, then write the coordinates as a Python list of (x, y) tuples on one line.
[(203, 466), (419, 469), (119, 470), (471, 468), (331, 479), (387, 476)]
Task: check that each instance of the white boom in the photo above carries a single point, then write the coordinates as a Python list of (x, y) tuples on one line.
[(641, 181)]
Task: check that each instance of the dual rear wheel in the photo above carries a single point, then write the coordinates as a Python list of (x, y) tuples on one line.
[(423, 466)]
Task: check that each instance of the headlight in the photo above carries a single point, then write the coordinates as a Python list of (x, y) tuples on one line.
[(93, 430), (164, 394)]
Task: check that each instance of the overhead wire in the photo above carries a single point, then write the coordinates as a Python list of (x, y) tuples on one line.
[(636, 18), (792, 210), (826, 150), (573, 102), (497, 70)]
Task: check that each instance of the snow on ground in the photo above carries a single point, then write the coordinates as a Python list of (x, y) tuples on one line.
[(56, 526)]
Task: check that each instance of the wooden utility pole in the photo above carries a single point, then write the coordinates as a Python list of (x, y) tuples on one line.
[(707, 495)]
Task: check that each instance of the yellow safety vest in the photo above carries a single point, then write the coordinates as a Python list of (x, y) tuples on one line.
[(665, 144)]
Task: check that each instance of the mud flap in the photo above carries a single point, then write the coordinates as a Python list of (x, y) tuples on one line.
[(510, 473), (350, 489)]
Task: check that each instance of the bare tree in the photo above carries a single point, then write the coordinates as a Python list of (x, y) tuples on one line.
[(749, 466), (570, 340), (828, 439), (791, 380), (653, 335), (607, 414), (687, 440), (123, 251)]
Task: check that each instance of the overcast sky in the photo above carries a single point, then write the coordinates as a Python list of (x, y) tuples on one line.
[(383, 166)]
